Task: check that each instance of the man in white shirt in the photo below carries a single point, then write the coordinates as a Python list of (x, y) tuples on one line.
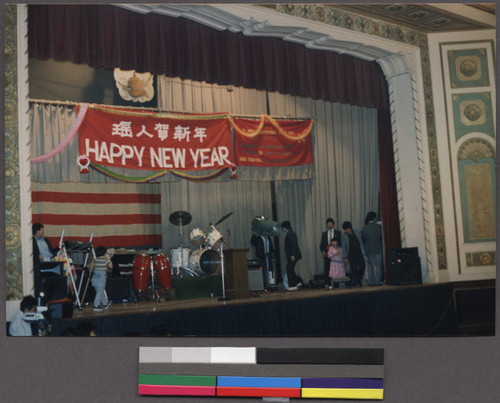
[(18, 326)]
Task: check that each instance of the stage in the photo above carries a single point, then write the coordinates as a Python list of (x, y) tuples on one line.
[(411, 310)]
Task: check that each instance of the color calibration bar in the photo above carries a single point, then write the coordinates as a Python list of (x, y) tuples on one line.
[(334, 373)]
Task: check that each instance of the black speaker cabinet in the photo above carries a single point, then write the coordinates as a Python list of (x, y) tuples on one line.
[(119, 288), (60, 309), (54, 286), (404, 266)]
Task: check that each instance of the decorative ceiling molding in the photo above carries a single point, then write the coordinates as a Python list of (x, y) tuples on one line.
[(394, 65), (214, 17), (427, 18)]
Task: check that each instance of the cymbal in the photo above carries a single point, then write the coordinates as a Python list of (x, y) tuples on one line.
[(223, 218), (180, 218)]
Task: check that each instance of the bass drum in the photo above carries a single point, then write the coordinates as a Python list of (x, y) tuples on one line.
[(205, 261)]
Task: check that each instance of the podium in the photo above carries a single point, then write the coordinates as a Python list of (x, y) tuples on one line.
[(236, 273)]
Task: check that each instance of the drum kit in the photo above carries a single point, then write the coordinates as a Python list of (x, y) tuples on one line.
[(206, 260), (203, 261)]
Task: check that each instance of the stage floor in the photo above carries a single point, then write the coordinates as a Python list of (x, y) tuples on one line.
[(404, 310), (153, 306)]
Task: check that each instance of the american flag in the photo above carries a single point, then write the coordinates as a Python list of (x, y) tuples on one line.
[(118, 215)]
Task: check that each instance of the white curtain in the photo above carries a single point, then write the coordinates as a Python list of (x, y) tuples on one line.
[(208, 202), (346, 182), (342, 183)]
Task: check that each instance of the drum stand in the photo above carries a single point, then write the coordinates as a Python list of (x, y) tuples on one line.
[(180, 218), (154, 296), (154, 293)]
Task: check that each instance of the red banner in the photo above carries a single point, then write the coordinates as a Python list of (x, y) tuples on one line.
[(272, 143), (145, 140)]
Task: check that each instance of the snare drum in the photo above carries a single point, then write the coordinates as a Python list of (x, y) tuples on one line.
[(214, 238), (197, 237), (205, 261), (142, 271), (180, 257), (161, 266)]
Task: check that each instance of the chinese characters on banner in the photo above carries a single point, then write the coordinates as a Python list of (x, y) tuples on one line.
[(144, 140), (272, 144)]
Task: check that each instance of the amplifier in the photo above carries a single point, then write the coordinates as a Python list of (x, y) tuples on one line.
[(255, 275), (404, 266), (120, 288), (60, 309)]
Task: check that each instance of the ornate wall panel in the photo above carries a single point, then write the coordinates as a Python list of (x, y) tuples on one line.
[(14, 282), (469, 101), (476, 165), (472, 113), (468, 68)]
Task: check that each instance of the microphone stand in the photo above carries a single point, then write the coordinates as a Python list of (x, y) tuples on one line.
[(223, 298)]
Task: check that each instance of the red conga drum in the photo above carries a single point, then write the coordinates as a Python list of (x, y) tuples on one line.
[(162, 269), (142, 271)]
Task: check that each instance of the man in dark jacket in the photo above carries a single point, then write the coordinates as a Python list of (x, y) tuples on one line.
[(293, 255), (371, 235), (42, 252), (326, 239), (263, 250), (353, 253)]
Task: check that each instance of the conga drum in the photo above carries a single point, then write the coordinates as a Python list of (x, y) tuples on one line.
[(142, 271), (161, 266)]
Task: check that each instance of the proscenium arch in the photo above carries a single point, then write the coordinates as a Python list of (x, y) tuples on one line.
[(252, 21)]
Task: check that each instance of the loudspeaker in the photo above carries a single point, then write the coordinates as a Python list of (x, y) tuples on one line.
[(60, 309), (54, 286), (118, 288), (404, 266), (52, 267), (255, 276)]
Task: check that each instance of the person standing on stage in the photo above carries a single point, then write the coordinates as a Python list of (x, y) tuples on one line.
[(371, 235), (101, 265), (326, 239), (353, 253), (263, 250), (293, 255), (336, 256)]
